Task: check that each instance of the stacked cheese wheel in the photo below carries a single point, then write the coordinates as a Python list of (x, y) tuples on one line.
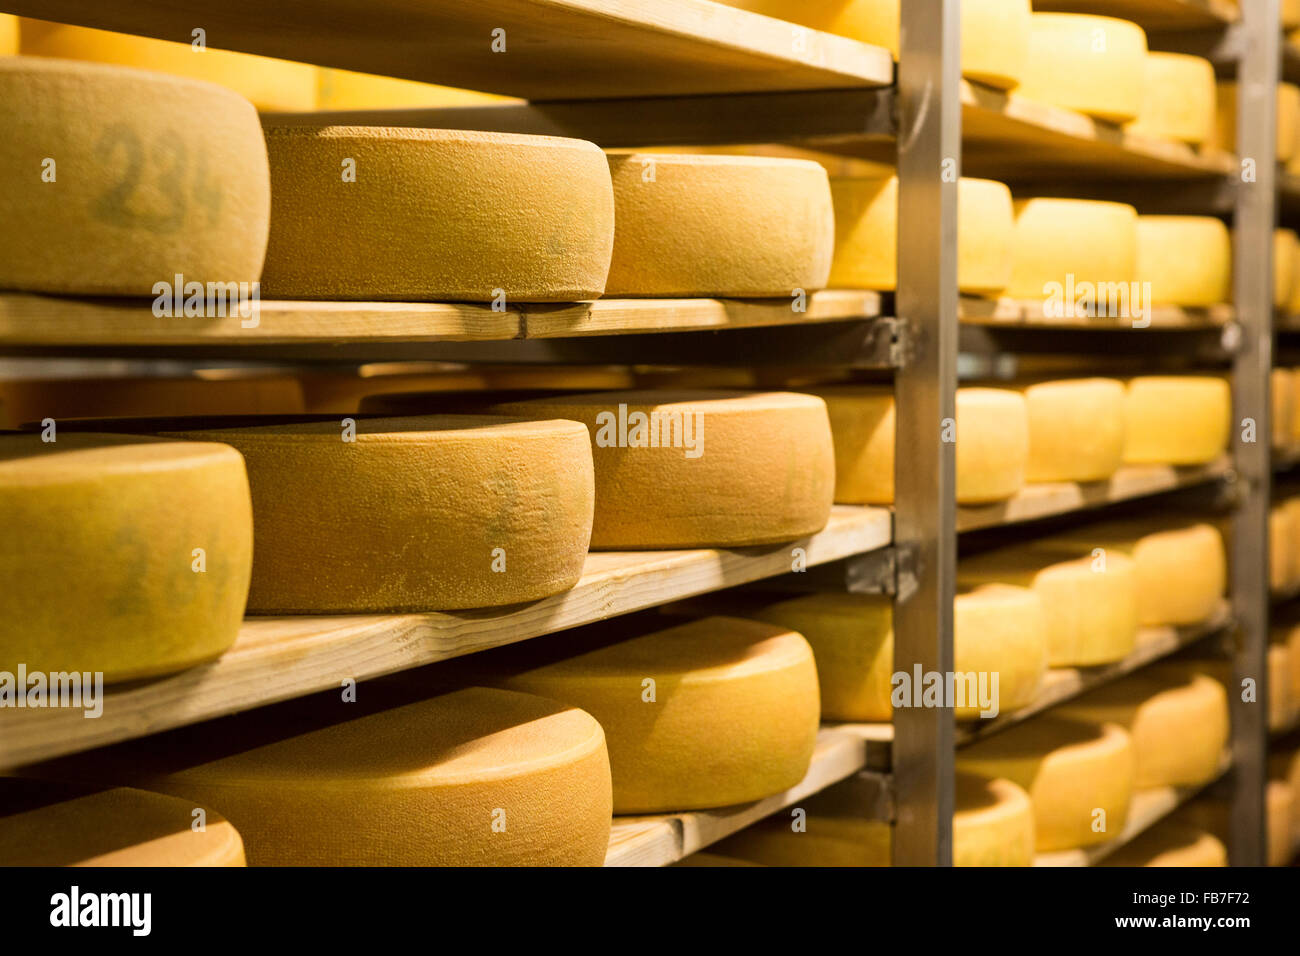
[(1224, 136), (1095, 65)]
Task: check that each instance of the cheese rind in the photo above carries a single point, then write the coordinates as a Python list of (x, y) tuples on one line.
[(1095, 65), (709, 713), (1063, 244), (398, 213), (126, 556), (120, 187), (1076, 429), (1186, 259), (1176, 419), (730, 468), (8, 34), (1288, 117), (1171, 843), (1178, 98), (866, 234), (1286, 253), (718, 225), (430, 512), (1282, 389)]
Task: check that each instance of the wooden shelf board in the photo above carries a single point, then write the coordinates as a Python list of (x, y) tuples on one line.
[(554, 49), (1154, 15), (1056, 498), (666, 838), (1147, 808), (1032, 313), (277, 658)]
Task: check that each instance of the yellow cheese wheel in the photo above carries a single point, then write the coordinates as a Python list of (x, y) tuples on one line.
[(992, 435), (716, 225), (43, 824), (1073, 244), (120, 187), (1171, 843), (1179, 728), (1284, 765), (866, 234), (996, 630), (1176, 419), (1186, 259), (1279, 804), (1079, 777), (474, 777), (1076, 429), (1181, 570), (1178, 98), (994, 33), (1288, 115), (1282, 388), (993, 825), (346, 90), (1282, 703), (1286, 253), (398, 213), (428, 512), (708, 713), (127, 556), (701, 469), (1090, 606), (1095, 65), (270, 84), (1295, 408), (1293, 654), (1281, 563), (8, 34)]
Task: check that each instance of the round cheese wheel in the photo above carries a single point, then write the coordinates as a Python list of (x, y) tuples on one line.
[(1286, 253), (718, 225), (422, 513), (1284, 765), (1283, 392), (1282, 529), (270, 84), (992, 436), (1090, 605), (1064, 245), (1176, 419), (866, 234), (120, 187), (1095, 65), (8, 34), (1186, 259), (1279, 804), (43, 824), (1000, 630), (1295, 409), (346, 90), (1076, 429), (126, 556), (701, 469), (1282, 705), (1293, 654), (1079, 777), (1178, 98), (709, 713), (1224, 136), (1179, 728), (400, 213), (1171, 843)]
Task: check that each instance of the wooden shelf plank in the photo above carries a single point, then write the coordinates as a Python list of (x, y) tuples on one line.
[(1057, 498), (666, 838), (554, 49), (277, 658), (1155, 15), (1147, 808), (1032, 313)]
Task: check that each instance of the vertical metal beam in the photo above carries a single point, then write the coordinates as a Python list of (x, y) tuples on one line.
[(929, 163), (1258, 73)]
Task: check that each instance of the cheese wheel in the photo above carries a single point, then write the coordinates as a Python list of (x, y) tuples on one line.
[(8, 34), (423, 513), (1279, 807), (701, 469), (1076, 429), (1179, 728), (1295, 408), (1090, 606), (138, 191), (1283, 392), (866, 234), (1079, 777), (270, 84), (1181, 571), (1176, 419), (1095, 65), (992, 434), (992, 825), (716, 225), (709, 713), (1284, 765), (996, 630), (1186, 259), (44, 824), (389, 213), (1178, 98), (1282, 704), (1286, 253), (1293, 654), (1224, 136), (1289, 14), (473, 777), (1171, 843), (1078, 246), (346, 90), (1281, 563), (126, 556)]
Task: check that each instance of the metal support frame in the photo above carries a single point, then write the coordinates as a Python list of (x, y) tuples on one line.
[(929, 164), (1254, 220)]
